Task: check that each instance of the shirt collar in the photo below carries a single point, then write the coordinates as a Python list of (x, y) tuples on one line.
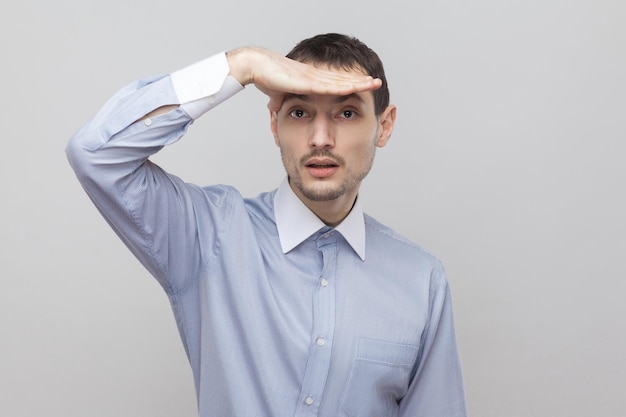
[(296, 222)]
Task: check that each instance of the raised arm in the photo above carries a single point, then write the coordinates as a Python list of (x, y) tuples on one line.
[(275, 75), (152, 211)]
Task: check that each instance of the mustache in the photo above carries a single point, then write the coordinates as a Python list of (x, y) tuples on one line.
[(322, 153)]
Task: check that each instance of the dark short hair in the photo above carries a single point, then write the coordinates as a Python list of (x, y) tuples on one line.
[(345, 52)]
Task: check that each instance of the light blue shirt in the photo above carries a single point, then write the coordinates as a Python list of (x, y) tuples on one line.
[(279, 314)]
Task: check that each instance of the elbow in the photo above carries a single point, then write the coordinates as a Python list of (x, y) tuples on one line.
[(78, 154)]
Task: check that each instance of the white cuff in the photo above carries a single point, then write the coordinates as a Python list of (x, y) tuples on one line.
[(205, 84)]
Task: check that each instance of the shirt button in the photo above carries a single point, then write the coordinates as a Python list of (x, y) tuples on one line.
[(309, 400), (211, 99), (320, 341), (324, 282), (148, 121)]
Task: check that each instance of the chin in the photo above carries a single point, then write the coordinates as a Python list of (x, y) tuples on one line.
[(322, 192)]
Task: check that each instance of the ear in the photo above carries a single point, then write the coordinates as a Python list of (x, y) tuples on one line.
[(386, 121), (274, 125)]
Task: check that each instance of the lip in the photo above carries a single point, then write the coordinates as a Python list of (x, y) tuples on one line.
[(321, 167)]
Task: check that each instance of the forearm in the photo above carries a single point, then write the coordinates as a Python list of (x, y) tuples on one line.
[(161, 110), (120, 138), (133, 123)]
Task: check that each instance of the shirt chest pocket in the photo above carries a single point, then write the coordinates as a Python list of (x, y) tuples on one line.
[(379, 378)]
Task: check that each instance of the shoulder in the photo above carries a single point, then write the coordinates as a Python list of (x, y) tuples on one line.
[(383, 241), (261, 206)]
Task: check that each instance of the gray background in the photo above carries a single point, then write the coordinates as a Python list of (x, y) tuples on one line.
[(507, 162)]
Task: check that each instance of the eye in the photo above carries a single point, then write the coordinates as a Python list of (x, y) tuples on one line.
[(297, 113), (347, 114)]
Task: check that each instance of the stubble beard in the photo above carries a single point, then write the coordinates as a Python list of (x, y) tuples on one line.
[(326, 191)]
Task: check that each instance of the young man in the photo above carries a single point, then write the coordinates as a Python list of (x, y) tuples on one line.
[(293, 303)]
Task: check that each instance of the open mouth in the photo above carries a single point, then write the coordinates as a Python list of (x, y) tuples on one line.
[(322, 165), (321, 169)]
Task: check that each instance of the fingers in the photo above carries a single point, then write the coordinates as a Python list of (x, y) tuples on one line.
[(328, 83), (353, 85), (335, 82), (276, 73), (340, 88)]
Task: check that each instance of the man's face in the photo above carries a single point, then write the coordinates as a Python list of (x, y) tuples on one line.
[(327, 143)]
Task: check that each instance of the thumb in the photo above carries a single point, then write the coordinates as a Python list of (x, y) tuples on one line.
[(275, 103)]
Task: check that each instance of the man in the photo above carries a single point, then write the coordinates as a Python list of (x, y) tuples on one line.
[(293, 303)]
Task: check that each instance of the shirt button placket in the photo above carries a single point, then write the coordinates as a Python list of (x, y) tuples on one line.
[(318, 365)]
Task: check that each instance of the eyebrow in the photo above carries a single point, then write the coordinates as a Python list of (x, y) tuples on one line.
[(338, 99)]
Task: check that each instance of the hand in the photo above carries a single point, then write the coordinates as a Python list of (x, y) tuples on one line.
[(276, 75)]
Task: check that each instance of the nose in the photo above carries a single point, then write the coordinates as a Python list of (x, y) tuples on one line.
[(322, 133)]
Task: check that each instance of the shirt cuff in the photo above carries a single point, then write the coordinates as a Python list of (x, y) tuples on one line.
[(205, 84)]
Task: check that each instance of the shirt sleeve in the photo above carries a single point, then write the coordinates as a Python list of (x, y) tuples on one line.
[(437, 386), (203, 85), (152, 211)]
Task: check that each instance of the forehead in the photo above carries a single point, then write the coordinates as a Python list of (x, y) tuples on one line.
[(361, 99)]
